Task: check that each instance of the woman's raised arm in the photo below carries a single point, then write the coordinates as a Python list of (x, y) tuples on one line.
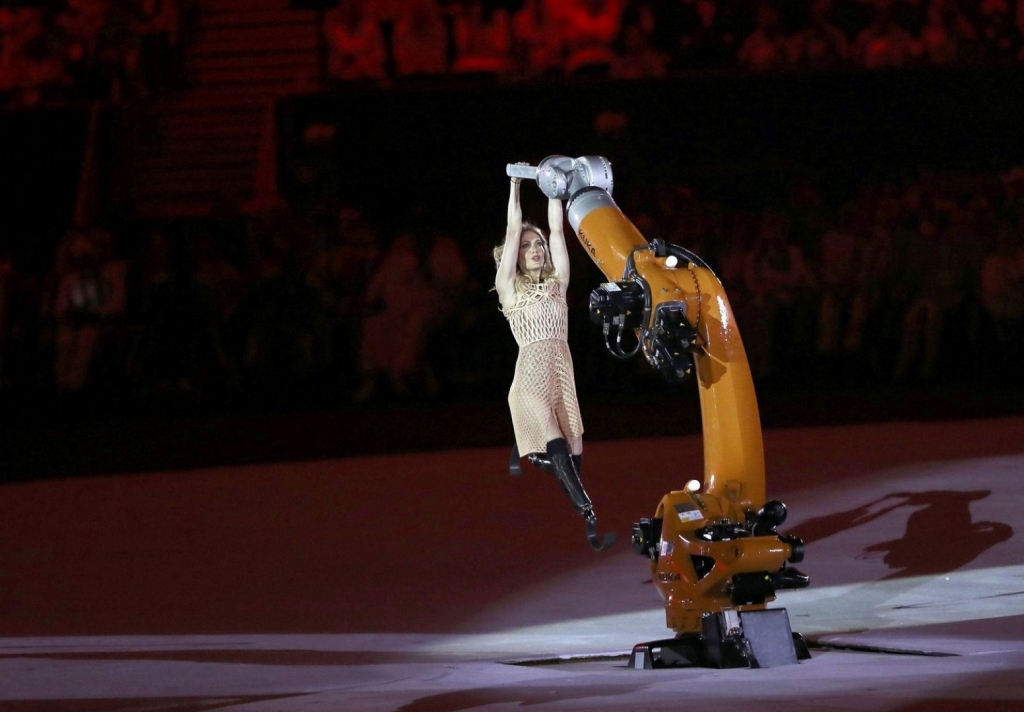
[(505, 279), (556, 242)]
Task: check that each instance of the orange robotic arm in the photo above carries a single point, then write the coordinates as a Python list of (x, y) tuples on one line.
[(713, 546)]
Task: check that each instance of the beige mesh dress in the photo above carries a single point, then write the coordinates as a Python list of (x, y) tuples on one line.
[(544, 384)]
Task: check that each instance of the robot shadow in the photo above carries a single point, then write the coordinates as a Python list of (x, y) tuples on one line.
[(938, 516)]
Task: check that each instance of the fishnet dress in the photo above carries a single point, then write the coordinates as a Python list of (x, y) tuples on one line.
[(544, 386)]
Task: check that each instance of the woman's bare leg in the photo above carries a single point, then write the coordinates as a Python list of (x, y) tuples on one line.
[(576, 445)]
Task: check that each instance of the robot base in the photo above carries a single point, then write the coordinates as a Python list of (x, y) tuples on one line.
[(730, 639)]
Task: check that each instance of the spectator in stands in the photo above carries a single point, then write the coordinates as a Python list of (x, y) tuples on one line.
[(651, 19), (78, 310), (740, 229), (1020, 24), (118, 52), (419, 42), (538, 45), (736, 18), (820, 44), (884, 43), (10, 55), (852, 16), (590, 28), (765, 47), (447, 273), (911, 15), (158, 25), (288, 346), (175, 346), (402, 301), (1002, 297), (738, 241), (113, 341), (661, 22), (836, 271), (32, 67), (948, 36), (643, 14), (999, 37), (702, 43), (897, 221), (447, 269), (340, 272), (224, 289), (8, 279), (80, 23), (1013, 194), (776, 276), (482, 40), (942, 276), (872, 273), (355, 43), (637, 58)]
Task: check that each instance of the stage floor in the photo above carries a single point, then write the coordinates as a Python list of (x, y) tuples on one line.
[(433, 581)]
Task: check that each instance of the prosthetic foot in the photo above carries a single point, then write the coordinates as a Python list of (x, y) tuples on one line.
[(565, 470), (540, 461), (514, 469)]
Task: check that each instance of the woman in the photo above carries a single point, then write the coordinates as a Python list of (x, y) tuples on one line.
[(531, 281)]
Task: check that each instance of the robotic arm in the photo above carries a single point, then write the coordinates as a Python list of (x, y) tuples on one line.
[(713, 548)]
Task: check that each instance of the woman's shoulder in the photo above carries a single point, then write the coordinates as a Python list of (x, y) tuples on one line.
[(524, 290)]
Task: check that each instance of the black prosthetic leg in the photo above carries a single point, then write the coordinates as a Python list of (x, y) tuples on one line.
[(542, 462), (513, 462), (564, 467)]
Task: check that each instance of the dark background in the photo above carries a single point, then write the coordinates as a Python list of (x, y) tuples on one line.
[(738, 139)]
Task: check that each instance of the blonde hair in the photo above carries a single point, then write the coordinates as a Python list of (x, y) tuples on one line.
[(546, 272)]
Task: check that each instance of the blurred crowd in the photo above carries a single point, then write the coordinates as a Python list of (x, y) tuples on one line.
[(920, 281), (917, 281), (67, 50), (56, 51), (631, 39), (277, 308)]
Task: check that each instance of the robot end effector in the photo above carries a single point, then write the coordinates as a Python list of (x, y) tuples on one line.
[(627, 302), (561, 177)]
